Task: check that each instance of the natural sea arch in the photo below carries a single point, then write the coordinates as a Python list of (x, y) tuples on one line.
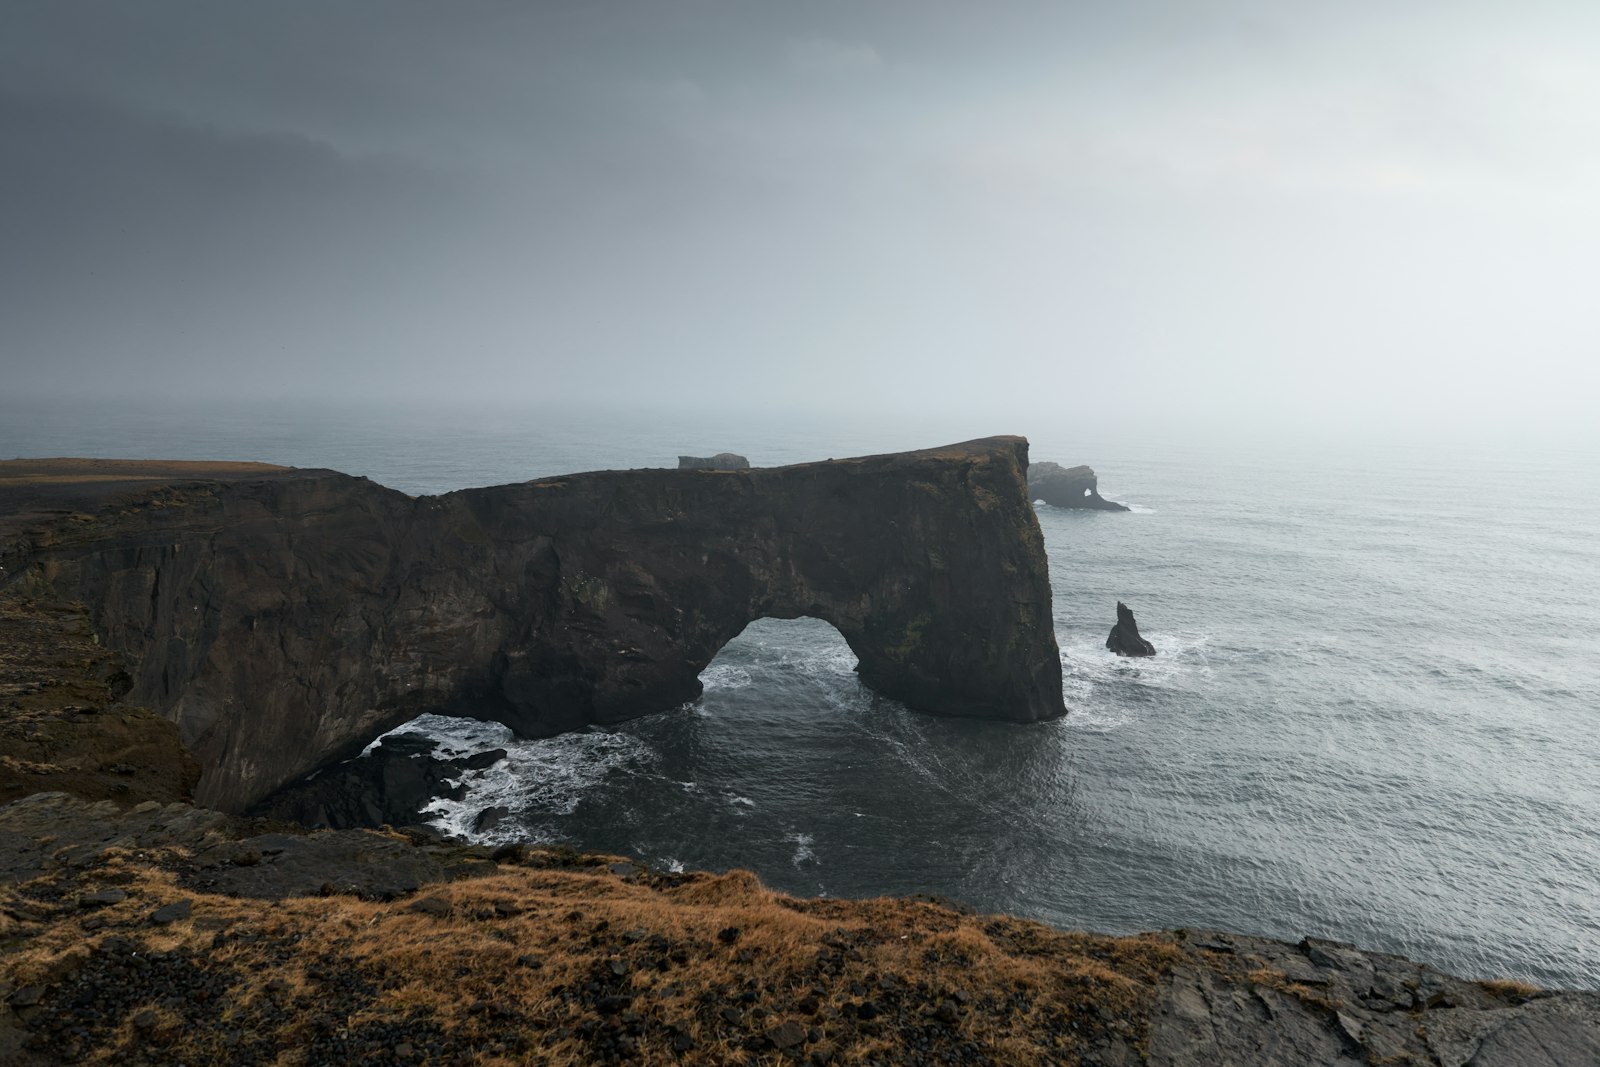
[(285, 619), (774, 660)]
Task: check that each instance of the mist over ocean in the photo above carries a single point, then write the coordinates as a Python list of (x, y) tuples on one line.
[(1375, 715)]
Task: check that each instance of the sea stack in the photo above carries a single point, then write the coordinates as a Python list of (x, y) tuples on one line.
[(1124, 638), (722, 461), (1068, 487)]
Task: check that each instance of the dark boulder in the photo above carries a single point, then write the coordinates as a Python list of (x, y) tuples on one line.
[(1124, 638), (1068, 487), (722, 461), (489, 818), (388, 786), (482, 760)]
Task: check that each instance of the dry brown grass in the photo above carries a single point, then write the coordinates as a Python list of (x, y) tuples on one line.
[(556, 965), (1510, 989), (61, 727)]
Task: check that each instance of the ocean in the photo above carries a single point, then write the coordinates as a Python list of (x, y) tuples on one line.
[(1374, 715)]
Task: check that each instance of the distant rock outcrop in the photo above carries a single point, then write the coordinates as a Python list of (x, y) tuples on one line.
[(1068, 487), (722, 461), (1124, 638)]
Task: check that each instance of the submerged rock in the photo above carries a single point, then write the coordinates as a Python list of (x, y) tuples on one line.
[(722, 461), (489, 818), (1124, 638), (1068, 487)]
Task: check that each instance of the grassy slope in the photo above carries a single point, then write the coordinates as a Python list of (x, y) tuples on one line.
[(558, 958)]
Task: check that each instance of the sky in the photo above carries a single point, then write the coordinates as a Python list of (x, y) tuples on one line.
[(1352, 216)]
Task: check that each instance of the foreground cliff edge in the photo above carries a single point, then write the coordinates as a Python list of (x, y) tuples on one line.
[(166, 934), (283, 618)]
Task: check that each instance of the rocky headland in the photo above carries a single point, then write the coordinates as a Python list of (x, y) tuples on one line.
[(137, 927), (1068, 487), (283, 619)]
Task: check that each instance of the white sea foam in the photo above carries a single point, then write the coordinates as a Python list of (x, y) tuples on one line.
[(1179, 655), (537, 780), (803, 852), (1096, 720), (720, 676)]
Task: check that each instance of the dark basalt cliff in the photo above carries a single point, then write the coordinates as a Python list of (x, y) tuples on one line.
[(1068, 487), (283, 619)]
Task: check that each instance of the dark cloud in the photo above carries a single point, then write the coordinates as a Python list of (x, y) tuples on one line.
[(140, 247), (1347, 213)]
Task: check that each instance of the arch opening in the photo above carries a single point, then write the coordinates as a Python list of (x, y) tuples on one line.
[(785, 658)]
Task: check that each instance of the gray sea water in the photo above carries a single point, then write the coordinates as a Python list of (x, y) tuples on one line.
[(1375, 715)]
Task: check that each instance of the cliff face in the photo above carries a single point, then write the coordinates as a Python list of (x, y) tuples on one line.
[(284, 619)]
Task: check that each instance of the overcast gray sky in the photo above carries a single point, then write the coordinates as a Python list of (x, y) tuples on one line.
[(1343, 214)]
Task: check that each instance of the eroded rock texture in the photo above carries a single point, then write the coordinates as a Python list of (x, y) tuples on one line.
[(1068, 487), (1254, 1002), (283, 619)]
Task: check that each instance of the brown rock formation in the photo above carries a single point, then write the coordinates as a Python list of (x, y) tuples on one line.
[(283, 619)]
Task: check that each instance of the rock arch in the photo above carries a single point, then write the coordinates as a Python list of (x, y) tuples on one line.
[(284, 621)]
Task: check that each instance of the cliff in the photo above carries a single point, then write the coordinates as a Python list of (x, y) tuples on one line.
[(284, 618)]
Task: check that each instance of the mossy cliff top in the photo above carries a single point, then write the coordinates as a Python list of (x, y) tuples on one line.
[(170, 934)]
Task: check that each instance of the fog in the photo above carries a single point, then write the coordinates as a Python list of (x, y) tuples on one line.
[(1345, 218)]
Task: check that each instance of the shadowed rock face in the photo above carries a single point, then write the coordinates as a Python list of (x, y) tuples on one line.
[(284, 619), (1068, 487)]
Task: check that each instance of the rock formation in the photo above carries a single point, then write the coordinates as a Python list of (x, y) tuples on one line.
[(1068, 487), (722, 461), (284, 618), (1124, 638), (389, 785)]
